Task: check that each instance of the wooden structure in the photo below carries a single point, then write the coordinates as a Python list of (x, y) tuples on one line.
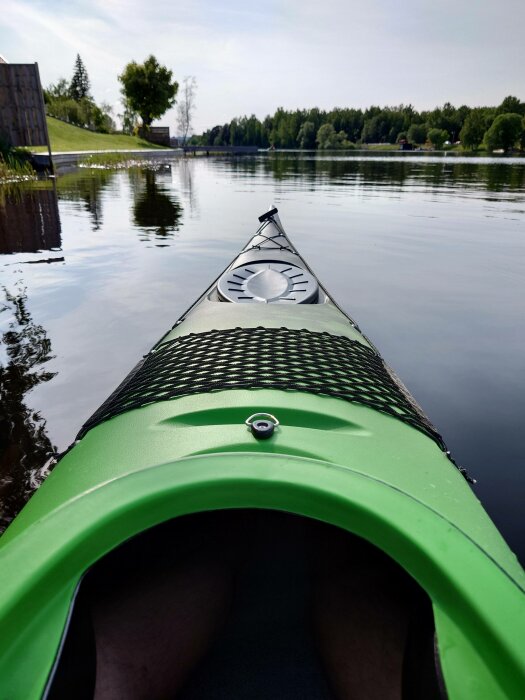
[(156, 134), (22, 110)]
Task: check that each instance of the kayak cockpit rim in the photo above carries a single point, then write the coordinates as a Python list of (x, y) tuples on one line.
[(273, 570)]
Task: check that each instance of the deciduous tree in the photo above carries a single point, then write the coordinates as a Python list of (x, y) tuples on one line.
[(417, 133), (306, 135), (505, 132), (511, 105), (128, 117), (186, 106), (149, 89), (437, 137), (57, 91), (471, 135), (328, 138)]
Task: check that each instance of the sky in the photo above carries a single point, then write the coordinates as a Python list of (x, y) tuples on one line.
[(250, 58)]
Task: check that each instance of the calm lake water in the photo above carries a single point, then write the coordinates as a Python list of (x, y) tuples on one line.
[(426, 253)]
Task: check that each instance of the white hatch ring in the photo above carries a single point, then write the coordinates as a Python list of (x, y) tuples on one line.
[(268, 282)]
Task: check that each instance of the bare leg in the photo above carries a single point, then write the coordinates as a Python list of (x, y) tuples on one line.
[(152, 630), (361, 615)]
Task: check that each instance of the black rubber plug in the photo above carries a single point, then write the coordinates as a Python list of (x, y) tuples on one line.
[(262, 429)]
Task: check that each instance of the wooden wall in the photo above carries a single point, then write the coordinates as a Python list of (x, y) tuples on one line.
[(22, 113), (159, 135)]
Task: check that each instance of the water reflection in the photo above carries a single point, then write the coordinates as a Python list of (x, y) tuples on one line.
[(187, 181), (437, 172), (26, 452), (156, 211), (425, 252), (86, 192), (29, 219)]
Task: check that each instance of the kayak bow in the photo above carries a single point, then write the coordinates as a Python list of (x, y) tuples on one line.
[(264, 427)]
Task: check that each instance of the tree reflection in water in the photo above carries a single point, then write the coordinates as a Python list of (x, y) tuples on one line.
[(86, 191), (384, 170), (155, 209), (26, 452)]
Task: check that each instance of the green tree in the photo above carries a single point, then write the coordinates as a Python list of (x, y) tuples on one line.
[(149, 89), (447, 118), (417, 133), (328, 138), (348, 120), (285, 128), (306, 135), (437, 137), (128, 117), (79, 86), (505, 132), (57, 91), (223, 137), (511, 105), (104, 121), (471, 135)]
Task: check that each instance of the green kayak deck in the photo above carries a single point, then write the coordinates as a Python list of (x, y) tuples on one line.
[(179, 447)]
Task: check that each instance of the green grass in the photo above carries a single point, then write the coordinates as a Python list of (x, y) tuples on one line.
[(15, 166), (118, 160), (66, 137), (381, 147), (14, 172), (105, 160)]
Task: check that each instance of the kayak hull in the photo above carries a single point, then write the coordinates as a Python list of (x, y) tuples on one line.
[(331, 460)]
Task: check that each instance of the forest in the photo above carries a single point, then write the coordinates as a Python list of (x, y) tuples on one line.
[(492, 128)]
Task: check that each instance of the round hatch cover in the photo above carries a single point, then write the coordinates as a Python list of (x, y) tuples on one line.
[(268, 283)]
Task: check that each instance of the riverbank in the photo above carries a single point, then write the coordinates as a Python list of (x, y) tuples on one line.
[(102, 158), (69, 146)]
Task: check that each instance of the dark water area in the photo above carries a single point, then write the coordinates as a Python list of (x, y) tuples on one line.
[(426, 253)]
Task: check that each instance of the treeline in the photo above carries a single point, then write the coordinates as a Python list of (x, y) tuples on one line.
[(492, 127)]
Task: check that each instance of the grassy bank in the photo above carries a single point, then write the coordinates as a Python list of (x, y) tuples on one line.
[(66, 137)]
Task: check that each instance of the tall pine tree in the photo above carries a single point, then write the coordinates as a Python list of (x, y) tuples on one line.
[(79, 86)]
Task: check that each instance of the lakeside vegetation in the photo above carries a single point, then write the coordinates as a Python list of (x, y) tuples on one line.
[(76, 123), (148, 90), (14, 164), (500, 127), (72, 102)]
